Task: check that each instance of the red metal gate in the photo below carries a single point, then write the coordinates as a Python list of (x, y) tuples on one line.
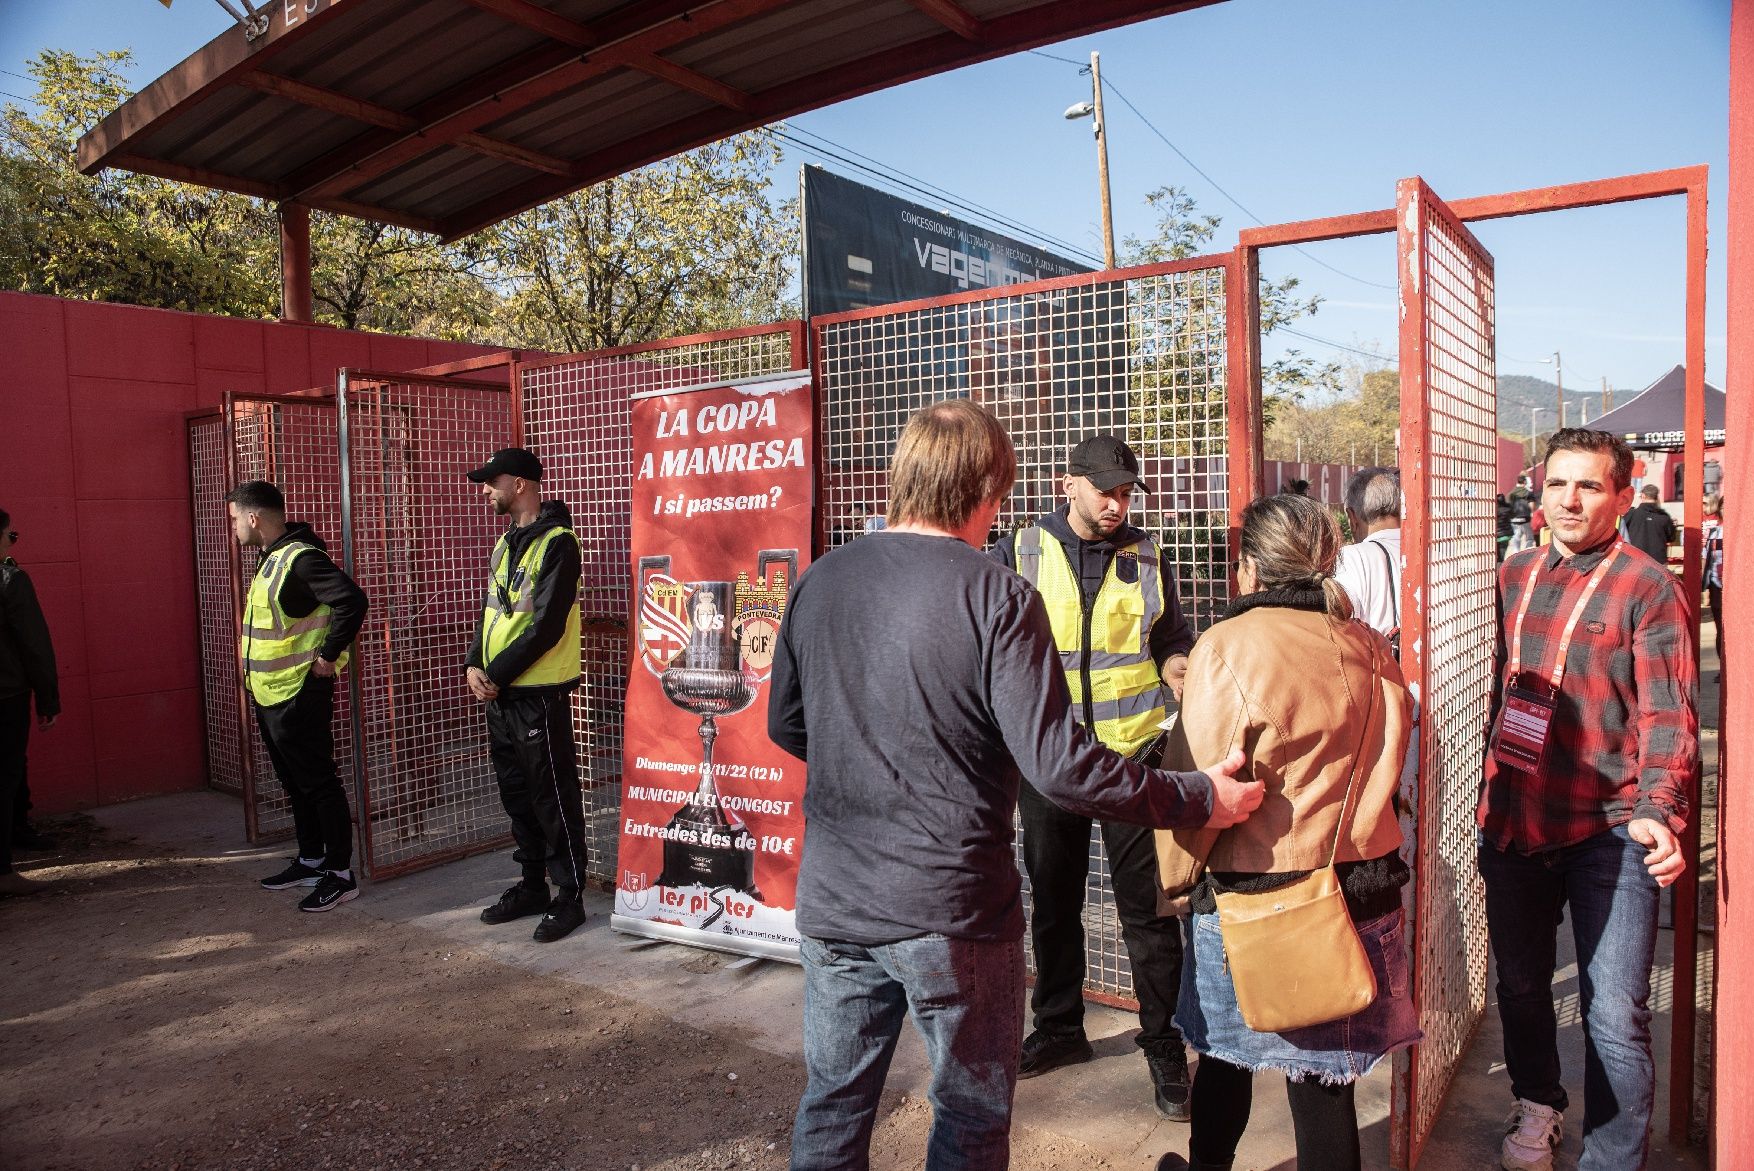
[(418, 537), (1449, 455), (216, 601), (289, 441), (1145, 353), (574, 416)]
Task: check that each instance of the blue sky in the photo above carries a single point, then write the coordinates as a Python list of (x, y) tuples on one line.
[(1296, 109)]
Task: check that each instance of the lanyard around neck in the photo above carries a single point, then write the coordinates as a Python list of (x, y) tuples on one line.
[(1522, 610)]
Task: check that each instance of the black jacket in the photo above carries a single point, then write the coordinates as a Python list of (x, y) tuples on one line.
[(557, 591), (317, 580), (27, 658), (1170, 636), (1652, 530)]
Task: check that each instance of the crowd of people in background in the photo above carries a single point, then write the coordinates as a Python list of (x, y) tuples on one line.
[(1055, 677)]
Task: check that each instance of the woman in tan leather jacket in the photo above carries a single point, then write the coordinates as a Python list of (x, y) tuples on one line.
[(1315, 700)]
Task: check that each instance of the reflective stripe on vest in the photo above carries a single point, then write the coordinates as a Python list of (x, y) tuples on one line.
[(509, 609), (278, 651), (1127, 696)]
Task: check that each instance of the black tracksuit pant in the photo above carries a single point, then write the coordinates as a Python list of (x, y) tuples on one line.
[(300, 738), (14, 741), (1056, 855), (537, 763)]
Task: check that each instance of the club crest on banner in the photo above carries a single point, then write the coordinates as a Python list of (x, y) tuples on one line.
[(663, 621)]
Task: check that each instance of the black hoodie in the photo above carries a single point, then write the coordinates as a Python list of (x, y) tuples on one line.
[(1170, 636), (27, 658), (316, 580), (556, 592)]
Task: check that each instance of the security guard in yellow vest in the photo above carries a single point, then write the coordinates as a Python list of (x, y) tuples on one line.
[(523, 664), (300, 616), (1112, 601)]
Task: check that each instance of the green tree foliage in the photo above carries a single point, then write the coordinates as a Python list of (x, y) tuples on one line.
[(1358, 424), (686, 245), (119, 236), (1182, 231)]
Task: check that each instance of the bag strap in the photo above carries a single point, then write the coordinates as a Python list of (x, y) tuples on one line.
[(1352, 778), (1394, 602)]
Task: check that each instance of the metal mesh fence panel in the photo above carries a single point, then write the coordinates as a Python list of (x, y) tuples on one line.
[(293, 444), (216, 602), (419, 537), (1449, 408), (1141, 355), (575, 417)]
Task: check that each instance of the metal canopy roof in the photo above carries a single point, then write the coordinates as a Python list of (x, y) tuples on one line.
[(451, 115)]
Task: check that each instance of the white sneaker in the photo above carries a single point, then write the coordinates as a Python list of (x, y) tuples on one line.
[(1532, 1133)]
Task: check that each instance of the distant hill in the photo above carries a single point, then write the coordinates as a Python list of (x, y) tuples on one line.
[(1518, 392)]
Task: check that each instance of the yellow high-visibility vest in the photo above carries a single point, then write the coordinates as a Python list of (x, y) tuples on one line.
[(510, 608), (1126, 694), (277, 650)]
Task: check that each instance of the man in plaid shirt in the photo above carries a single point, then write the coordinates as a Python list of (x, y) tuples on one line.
[(1595, 738)]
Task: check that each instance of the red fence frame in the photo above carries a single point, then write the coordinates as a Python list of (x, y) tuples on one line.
[(350, 383), (1689, 183)]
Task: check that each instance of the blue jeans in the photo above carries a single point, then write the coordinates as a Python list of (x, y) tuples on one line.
[(1613, 903), (966, 999)]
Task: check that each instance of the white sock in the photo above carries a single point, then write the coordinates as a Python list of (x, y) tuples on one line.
[(312, 863), (346, 875)]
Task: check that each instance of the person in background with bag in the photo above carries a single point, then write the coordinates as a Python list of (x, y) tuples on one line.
[(1295, 915), (1370, 570), (1712, 529)]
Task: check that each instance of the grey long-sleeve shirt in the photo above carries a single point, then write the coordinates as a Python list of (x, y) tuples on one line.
[(919, 680)]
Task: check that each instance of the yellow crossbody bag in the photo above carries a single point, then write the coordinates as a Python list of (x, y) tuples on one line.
[(1294, 954)]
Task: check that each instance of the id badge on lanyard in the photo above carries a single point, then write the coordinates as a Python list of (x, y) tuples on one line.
[(1530, 701)]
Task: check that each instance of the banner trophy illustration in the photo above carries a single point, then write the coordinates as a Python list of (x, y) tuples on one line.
[(727, 655), (712, 822)]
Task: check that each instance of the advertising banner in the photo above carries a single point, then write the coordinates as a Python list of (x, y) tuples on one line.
[(712, 814), (863, 247)]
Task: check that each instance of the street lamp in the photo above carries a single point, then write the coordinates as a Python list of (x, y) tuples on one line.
[(1093, 110), (1534, 433)]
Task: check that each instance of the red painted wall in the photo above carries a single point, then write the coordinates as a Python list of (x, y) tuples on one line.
[(94, 469), (1733, 1048)]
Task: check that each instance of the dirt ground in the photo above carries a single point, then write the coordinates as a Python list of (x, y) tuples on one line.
[(161, 1013)]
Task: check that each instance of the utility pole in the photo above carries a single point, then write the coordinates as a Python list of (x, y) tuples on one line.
[(1559, 377), (1108, 223), (1607, 395)]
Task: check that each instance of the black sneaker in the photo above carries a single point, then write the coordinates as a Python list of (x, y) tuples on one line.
[(1169, 1082), (332, 890), (563, 916), (28, 837), (296, 874), (1043, 1051), (517, 902)]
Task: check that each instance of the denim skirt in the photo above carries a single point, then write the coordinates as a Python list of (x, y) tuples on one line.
[(1336, 1052)]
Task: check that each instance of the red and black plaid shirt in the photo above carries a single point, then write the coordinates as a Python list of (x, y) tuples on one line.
[(1625, 739)]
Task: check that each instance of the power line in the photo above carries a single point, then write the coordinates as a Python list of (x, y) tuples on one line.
[(887, 168), (1387, 361), (886, 173), (895, 177), (1216, 186)]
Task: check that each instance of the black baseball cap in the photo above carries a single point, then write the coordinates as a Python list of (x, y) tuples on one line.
[(1107, 463), (509, 461)]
